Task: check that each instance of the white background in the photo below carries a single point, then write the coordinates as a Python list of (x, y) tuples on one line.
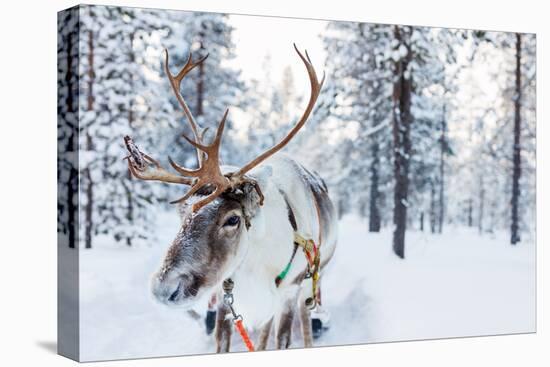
[(28, 182)]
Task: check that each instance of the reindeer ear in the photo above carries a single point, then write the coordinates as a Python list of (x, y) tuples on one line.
[(251, 207), (251, 199)]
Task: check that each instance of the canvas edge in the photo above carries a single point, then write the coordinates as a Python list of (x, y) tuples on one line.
[(68, 315)]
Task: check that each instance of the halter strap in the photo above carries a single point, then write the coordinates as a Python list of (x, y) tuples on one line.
[(311, 250)]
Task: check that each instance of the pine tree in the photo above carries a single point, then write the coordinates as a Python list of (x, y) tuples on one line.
[(214, 86), (124, 91), (402, 120), (489, 171), (516, 171), (117, 98), (357, 97)]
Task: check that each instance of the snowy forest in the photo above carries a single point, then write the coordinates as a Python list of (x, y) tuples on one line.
[(416, 128), (420, 133)]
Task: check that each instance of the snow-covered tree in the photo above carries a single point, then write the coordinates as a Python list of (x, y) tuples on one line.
[(391, 88), (416, 127), (353, 115), (67, 125), (484, 169), (120, 94), (214, 86), (124, 91)]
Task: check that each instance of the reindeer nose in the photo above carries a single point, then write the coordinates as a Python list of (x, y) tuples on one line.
[(167, 289)]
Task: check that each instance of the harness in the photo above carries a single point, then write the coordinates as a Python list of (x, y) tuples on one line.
[(312, 253)]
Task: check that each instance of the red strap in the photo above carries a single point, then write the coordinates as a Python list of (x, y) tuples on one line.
[(244, 335), (311, 256)]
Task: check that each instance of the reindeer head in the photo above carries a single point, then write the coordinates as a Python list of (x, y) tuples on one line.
[(218, 208)]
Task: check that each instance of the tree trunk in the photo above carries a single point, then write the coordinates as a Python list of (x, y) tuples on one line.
[(374, 210), (91, 71), (443, 145), (130, 206), (71, 208), (481, 205), (341, 208), (402, 119), (132, 58), (89, 188), (129, 192), (422, 221), (492, 217), (516, 173), (71, 147), (88, 209), (470, 212), (432, 208)]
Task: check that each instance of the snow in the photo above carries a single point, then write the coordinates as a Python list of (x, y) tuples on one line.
[(450, 285), (456, 284)]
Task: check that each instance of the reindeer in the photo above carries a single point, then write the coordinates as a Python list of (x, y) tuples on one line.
[(245, 224)]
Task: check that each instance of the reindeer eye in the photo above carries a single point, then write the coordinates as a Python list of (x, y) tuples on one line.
[(232, 221)]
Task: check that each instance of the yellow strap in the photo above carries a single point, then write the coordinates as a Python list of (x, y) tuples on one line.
[(306, 244)]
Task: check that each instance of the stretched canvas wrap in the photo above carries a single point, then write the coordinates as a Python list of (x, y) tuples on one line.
[(244, 183)]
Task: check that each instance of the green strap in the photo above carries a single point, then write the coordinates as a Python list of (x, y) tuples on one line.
[(285, 271)]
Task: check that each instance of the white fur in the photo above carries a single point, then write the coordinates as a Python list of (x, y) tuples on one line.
[(270, 243)]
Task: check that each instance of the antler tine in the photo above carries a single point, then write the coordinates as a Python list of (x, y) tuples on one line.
[(182, 170), (189, 65), (199, 204), (219, 132), (187, 195), (311, 72), (209, 173), (315, 90), (175, 83), (215, 145), (160, 174), (200, 147), (150, 169)]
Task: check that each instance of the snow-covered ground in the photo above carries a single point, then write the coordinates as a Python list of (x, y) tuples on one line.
[(455, 284)]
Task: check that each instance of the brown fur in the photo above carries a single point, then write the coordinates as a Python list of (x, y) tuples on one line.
[(198, 247), (199, 256), (305, 323), (284, 329), (264, 335), (223, 329)]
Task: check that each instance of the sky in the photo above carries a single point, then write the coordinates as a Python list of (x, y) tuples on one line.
[(255, 37)]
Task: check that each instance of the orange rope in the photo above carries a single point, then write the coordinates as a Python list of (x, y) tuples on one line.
[(244, 335)]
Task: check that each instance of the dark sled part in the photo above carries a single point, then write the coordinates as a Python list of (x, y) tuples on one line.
[(210, 321), (317, 328)]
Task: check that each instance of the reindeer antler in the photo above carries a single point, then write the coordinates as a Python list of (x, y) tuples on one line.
[(175, 83), (144, 167), (315, 90), (209, 172)]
